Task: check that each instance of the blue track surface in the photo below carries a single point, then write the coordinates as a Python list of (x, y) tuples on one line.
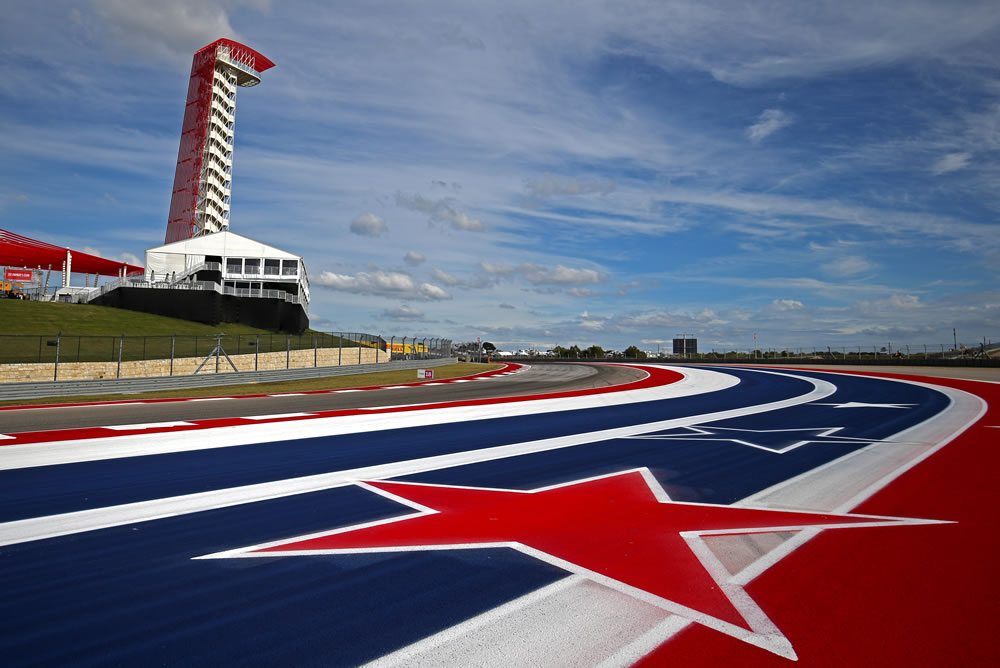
[(133, 595)]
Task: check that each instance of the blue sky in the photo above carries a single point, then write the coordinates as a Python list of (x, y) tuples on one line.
[(549, 173)]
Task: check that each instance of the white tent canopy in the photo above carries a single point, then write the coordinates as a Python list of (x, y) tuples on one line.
[(180, 256)]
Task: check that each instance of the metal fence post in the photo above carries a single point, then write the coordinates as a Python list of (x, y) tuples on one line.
[(40, 338), (288, 351), (121, 344), (55, 368), (172, 338), (340, 347), (78, 340), (256, 352), (359, 348), (315, 353)]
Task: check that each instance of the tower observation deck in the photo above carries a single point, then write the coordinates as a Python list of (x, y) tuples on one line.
[(203, 177)]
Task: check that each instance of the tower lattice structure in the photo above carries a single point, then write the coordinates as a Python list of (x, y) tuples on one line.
[(200, 202)]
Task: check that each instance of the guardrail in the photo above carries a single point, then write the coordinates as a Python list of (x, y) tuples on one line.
[(69, 388)]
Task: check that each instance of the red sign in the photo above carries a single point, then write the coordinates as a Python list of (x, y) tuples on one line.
[(17, 275)]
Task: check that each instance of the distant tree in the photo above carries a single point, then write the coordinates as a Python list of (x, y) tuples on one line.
[(635, 353), (560, 351), (488, 347), (574, 351), (594, 351)]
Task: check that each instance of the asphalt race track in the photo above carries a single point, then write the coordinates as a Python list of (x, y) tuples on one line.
[(541, 380), (570, 515)]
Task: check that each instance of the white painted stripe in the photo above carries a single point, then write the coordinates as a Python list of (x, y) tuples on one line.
[(148, 425), (844, 483), (2, 436), (695, 381), (288, 394), (99, 518), (572, 622), (461, 380), (382, 408), (345, 391), (211, 399), (275, 416)]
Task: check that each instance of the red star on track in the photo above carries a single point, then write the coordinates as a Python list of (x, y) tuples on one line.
[(620, 530)]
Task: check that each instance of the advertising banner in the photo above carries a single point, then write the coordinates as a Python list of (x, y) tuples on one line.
[(17, 275)]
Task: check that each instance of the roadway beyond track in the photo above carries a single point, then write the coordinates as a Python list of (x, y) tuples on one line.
[(541, 379), (696, 516)]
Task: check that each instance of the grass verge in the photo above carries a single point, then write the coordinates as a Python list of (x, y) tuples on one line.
[(332, 383)]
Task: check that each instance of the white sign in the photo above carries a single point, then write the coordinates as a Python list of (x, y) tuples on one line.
[(425, 374)]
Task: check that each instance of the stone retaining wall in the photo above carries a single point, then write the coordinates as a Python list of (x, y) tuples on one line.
[(185, 366)]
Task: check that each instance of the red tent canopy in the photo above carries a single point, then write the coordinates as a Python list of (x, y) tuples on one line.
[(18, 251)]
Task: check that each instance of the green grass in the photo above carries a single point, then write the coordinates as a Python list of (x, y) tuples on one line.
[(93, 333), (30, 317), (331, 383)]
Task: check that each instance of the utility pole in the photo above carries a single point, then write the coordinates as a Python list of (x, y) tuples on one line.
[(954, 334)]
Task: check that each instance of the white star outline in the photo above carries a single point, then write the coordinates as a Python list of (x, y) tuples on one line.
[(826, 435), (763, 632)]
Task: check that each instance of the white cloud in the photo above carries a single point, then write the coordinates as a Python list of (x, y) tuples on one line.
[(413, 258), (497, 269), (442, 210), (403, 312), (951, 163), (368, 225), (848, 265), (549, 185), (382, 283), (581, 292), (170, 31), (769, 122), (786, 304), (560, 275), (444, 277), (537, 274)]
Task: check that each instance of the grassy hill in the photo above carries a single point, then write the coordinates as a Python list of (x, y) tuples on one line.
[(30, 317), (93, 334)]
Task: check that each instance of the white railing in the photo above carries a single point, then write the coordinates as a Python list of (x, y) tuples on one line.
[(141, 282)]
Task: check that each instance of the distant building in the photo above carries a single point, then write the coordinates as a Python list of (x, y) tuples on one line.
[(684, 347), (203, 177)]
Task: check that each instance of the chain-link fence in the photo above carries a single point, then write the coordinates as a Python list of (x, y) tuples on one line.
[(49, 348), (27, 348), (419, 347)]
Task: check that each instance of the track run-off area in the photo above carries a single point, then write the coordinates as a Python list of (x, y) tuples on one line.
[(532, 515)]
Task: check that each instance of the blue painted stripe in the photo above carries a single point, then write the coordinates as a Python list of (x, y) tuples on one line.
[(66, 488), (132, 595)]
